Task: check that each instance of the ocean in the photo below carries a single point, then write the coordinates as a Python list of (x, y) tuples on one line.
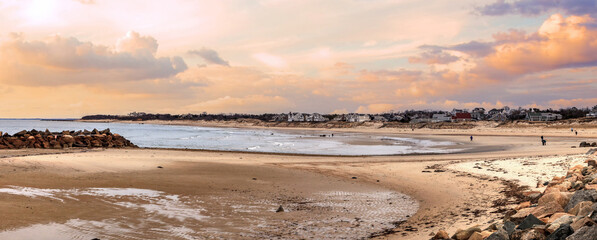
[(312, 142)]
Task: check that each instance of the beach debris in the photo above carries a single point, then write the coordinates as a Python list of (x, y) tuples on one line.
[(160, 167), (254, 179), (280, 209), (354, 177), (64, 139)]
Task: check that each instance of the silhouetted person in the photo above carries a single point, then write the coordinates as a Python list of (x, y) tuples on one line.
[(576, 132), (471, 138), (544, 142), (542, 138)]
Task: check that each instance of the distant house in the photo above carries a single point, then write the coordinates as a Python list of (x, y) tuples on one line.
[(463, 116), (454, 111), (441, 117), (478, 113), (533, 116), (296, 117), (353, 117), (500, 117), (279, 118), (315, 117), (340, 117), (550, 116), (304, 117), (379, 118), (592, 114)]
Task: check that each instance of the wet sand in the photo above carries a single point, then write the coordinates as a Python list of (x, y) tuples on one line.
[(319, 193)]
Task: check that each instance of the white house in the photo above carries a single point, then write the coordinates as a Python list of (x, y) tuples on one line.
[(296, 117), (315, 117), (441, 117), (353, 117), (592, 114)]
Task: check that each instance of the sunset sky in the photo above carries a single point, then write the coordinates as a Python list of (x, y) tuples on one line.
[(72, 58)]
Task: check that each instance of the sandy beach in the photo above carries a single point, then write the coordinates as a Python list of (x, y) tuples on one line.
[(236, 195)]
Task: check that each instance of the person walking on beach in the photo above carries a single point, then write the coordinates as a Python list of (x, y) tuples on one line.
[(571, 129), (576, 132), (543, 142), (471, 138)]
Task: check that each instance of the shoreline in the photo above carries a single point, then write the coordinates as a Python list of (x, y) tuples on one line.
[(482, 128)]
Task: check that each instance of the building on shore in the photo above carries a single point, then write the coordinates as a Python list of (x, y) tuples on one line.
[(478, 113), (441, 117), (462, 117), (379, 118), (354, 117), (537, 117), (305, 117)]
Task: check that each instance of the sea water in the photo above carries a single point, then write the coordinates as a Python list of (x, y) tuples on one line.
[(318, 142)]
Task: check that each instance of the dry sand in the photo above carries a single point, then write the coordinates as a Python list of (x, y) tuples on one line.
[(319, 193)]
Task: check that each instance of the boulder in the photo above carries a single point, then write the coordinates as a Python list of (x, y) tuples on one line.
[(576, 209), (521, 214), (584, 233), (466, 234), (529, 222), (529, 234), (585, 210), (509, 227), (553, 197), (476, 236), (96, 143), (561, 233), (546, 209), (499, 235), (441, 234), (581, 222), (563, 220), (556, 216), (580, 196), (68, 139)]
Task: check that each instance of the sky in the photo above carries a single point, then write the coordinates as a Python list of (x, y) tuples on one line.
[(71, 58)]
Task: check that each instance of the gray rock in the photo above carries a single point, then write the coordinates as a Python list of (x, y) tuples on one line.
[(509, 227), (581, 196), (529, 222), (584, 233), (499, 235), (280, 209), (561, 233)]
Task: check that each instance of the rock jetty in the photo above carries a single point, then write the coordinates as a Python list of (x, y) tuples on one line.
[(566, 209), (64, 139)]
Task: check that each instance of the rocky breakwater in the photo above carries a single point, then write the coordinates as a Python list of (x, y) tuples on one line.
[(566, 209), (64, 139)]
